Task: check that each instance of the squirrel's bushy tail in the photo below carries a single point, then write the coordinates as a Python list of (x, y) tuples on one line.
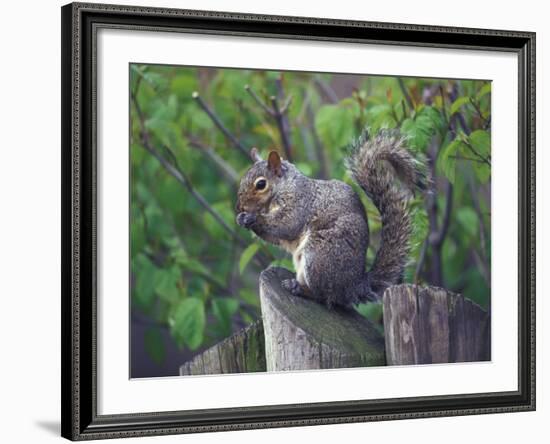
[(375, 163)]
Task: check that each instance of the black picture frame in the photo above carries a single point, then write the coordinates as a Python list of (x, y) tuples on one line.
[(79, 171)]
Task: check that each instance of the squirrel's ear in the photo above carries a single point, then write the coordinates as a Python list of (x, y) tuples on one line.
[(254, 155), (274, 163)]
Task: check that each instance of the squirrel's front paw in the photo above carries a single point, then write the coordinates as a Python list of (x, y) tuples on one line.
[(293, 287), (246, 220)]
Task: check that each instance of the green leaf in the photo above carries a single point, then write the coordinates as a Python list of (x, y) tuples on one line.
[(194, 265), (485, 89), (334, 124), (224, 309), (166, 284), (476, 288), (420, 129), (144, 286), (482, 170), (380, 116), (446, 161), (226, 212), (137, 232), (184, 84), (187, 322), (247, 255), (467, 218), (154, 345), (155, 79), (432, 118), (457, 104), (481, 142)]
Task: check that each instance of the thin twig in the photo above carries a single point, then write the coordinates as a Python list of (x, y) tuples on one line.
[(405, 93), (475, 153), (210, 152), (478, 109), (286, 105), (404, 107), (466, 158), (259, 101), (278, 113), (217, 121)]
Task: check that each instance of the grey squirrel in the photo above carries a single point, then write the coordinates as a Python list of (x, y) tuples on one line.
[(323, 223)]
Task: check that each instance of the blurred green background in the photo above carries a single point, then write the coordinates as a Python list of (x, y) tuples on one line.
[(194, 272)]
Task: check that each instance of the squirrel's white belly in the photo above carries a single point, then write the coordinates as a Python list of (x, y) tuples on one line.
[(297, 249)]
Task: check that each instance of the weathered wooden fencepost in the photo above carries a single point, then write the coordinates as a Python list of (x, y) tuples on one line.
[(422, 325), (301, 334), (425, 325), (244, 352)]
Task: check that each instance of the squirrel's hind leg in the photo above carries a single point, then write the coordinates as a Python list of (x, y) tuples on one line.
[(294, 287), (362, 291)]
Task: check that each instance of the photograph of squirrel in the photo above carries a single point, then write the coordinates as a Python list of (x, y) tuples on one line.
[(324, 225)]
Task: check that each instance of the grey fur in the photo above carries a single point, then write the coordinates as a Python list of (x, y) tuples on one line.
[(324, 224)]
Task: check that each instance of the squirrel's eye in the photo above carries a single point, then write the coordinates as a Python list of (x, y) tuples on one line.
[(260, 184)]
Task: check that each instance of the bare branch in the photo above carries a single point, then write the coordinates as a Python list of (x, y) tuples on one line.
[(421, 260), (281, 118), (442, 94), (281, 126), (217, 121), (482, 238), (278, 113), (439, 236), (326, 90), (319, 149), (437, 233), (483, 268), (463, 123), (179, 175)]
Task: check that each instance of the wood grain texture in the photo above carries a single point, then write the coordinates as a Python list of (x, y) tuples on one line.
[(301, 334), (241, 353), (425, 325)]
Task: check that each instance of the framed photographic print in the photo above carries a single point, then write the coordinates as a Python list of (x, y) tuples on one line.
[(278, 221)]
